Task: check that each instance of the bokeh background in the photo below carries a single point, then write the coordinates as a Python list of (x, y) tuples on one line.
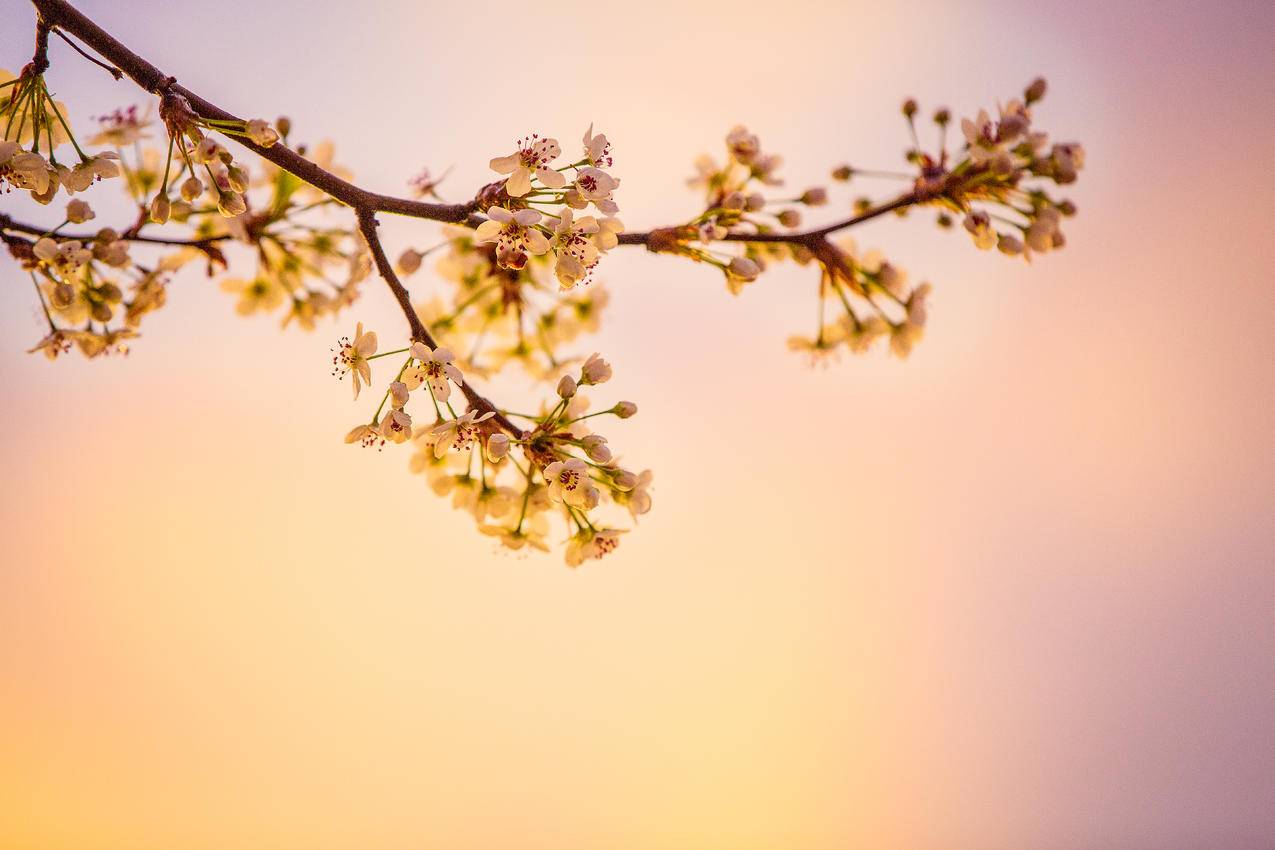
[(1016, 591)]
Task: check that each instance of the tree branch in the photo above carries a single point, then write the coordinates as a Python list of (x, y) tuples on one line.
[(7, 223), (60, 14), (367, 226)]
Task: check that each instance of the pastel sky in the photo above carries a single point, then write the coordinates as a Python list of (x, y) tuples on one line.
[(1016, 591)]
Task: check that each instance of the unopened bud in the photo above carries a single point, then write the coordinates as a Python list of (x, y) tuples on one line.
[(816, 197), (909, 108), (191, 189), (625, 409), (1011, 245), (237, 178), (409, 261), (743, 268), (1036, 90), (78, 212), (160, 209), (567, 386), (789, 218), (842, 173), (231, 204), (497, 447), (595, 446), (261, 133), (284, 125)]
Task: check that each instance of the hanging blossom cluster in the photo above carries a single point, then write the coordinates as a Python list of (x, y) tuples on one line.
[(494, 316), (997, 182), (513, 485), (206, 165), (515, 281), (34, 126), (94, 295), (739, 200)]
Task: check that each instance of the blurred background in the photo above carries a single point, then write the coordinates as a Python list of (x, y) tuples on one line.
[(1016, 591)]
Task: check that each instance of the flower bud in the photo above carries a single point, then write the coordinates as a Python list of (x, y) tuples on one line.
[(942, 117), (192, 188), (231, 204), (398, 394), (284, 125), (160, 209), (789, 218), (909, 108), (409, 261), (206, 150), (497, 447), (261, 133), (595, 446), (842, 173), (78, 212), (181, 210), (735, 201), (237, 178), (1010, 245), (625, 409), (816, 197), (567, 386), (1036, 90), (755, 202), (743, 268), (624, 480)]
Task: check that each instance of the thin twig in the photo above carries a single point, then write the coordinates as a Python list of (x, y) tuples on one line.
[(7, 223), (110, 69)]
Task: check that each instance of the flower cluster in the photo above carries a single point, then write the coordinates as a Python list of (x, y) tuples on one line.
[(498, 315), (739, 202), (565, 468), (35, 125), (515, 277), (533, 213), (91, 293), (998, 180), (873, 299), (306, 266), (201, 156), (305, 263)]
